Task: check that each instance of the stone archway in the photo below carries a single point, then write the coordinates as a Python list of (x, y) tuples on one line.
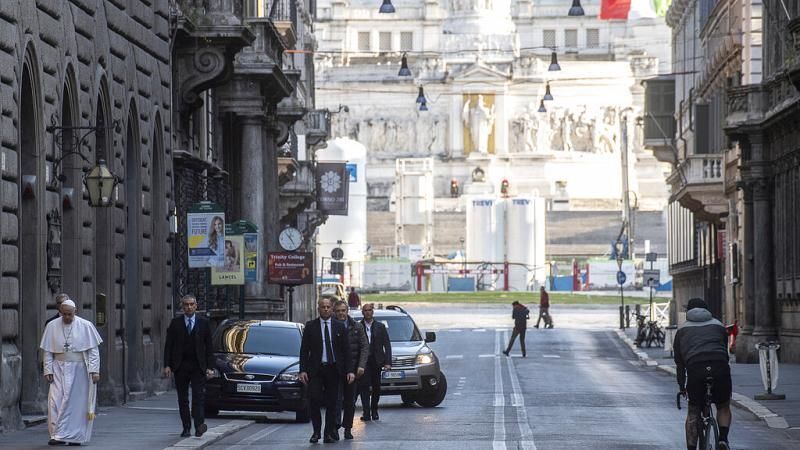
[(132, 185), (72, 201), (31, 239), (161, 251)]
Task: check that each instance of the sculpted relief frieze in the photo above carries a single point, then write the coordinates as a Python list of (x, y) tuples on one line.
[(576, 129), (390, 136)]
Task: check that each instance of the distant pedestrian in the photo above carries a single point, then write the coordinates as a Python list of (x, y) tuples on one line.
[(520, 314), (544, 309), (72, 367), (358, 346), (353, 299), (380, 358), (189, 357)]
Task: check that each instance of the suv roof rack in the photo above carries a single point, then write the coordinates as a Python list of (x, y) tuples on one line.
[(396, 308)]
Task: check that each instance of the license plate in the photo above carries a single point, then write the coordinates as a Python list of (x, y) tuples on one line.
[(395, 375), (247, 387)]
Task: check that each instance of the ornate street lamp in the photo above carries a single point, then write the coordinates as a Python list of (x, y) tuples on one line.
[(421, 96), (387, 7), (99, 181), (547, 95), (554, 62), (541, 109), (576, 9), (404, 70), (423, 106)]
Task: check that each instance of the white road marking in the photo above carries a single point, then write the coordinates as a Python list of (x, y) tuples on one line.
[(455, 331), (551, 356), (479, 330), (499, 401), (583, 357), (454, 357), (457, 393), (255, 437), (525, 432), (487, 355)]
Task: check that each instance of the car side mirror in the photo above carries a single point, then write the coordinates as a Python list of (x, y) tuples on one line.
[(430, 336)]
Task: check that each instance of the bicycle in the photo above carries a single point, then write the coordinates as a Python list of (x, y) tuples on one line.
[(649, 333), (708, 433)]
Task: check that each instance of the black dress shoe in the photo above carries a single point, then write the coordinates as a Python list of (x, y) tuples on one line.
[(314, 438), (335, 435), (328, 439), (186, 433), (55, 442), (375, 416), (199, 430), (365, 418), (348, 434)]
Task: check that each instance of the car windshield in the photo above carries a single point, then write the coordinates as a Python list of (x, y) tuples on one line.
[(256, 339), (401, 328)]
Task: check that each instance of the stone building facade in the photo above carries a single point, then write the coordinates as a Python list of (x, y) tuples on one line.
[(182, 99)]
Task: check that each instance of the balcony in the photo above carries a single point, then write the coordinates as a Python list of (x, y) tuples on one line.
[(659, 118), (698, 184), (280, 14), (318, 126), (297, 195), (745, 107)]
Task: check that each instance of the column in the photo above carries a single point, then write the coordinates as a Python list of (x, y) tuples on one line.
[(252, 204), (456, 126), (764, 311), (500, 126)]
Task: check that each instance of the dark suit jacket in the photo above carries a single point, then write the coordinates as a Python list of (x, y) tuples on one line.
[(52, 319), (380, 346), (311, 348), (176, 333)]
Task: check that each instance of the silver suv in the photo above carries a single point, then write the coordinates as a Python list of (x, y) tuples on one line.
[(415, 374)]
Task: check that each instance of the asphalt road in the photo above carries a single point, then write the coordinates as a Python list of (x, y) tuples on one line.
[(579, 387)]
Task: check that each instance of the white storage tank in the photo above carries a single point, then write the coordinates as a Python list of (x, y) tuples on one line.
[(350, 229), (482, 230), (521, 242)]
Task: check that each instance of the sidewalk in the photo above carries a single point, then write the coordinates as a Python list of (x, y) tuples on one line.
[(747, 383), (152, 423)]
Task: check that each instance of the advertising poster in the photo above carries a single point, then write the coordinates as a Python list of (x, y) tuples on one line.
[(333, 188), (206, 235), (290, 268), (251, 257), (232, 270)]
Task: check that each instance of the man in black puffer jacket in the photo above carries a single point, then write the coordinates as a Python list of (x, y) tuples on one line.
[(701, 350), (358, 346)]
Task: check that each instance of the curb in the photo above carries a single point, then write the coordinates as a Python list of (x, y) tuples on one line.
[(211, 436), (772, 419)]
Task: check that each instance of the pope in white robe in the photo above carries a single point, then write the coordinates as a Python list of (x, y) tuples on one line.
[(72, 367)]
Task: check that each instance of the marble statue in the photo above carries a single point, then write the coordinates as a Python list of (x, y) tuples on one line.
[(524, 134), (581, 132), (606, 131), (479, 120)]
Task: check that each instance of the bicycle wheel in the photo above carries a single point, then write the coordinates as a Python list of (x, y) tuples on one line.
[(711, 435)]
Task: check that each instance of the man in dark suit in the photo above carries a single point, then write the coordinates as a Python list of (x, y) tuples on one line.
[(380, 358), (59, 300), (324, 359), (189, 356)]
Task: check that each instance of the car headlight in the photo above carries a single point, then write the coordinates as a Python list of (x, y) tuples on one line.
[(424, 358), (289, 376)]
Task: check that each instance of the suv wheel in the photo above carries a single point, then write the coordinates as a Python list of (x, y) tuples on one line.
[(301, 416), (408, 399), (429, 400)]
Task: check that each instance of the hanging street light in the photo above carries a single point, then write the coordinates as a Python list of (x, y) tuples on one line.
[(387, 7), (100, 184), (576, 9), (554, 62), (404, 70), (423, 106), (421, 96), (547, 95), (541, 109)]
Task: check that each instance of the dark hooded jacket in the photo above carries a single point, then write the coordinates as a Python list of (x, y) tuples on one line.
[(700, 339), (357, 342)]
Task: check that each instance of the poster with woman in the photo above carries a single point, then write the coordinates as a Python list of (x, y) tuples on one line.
[(232, 271), (206, 235)]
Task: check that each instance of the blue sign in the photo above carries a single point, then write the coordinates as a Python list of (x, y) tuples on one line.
[(621, 278), (352, 169)]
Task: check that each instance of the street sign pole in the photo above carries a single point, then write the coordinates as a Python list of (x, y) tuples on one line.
[(241, 302), (621, 281), (290, 290)]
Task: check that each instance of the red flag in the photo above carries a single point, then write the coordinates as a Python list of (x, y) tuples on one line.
[(615, 9)]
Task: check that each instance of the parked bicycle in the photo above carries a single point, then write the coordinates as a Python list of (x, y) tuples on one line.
[(649, 332), (708, 432)]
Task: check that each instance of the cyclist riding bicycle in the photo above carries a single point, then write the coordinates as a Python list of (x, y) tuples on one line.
[(701, 351)]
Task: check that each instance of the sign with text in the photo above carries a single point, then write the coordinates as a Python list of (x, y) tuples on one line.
[(290, 268), (206, 235), (250, 257), (232, 271), (333, 188)]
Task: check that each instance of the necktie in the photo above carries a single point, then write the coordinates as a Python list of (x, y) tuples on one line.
[(328, 346), (189, 326)]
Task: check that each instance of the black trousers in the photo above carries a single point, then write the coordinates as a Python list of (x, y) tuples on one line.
[(346, 403), (323, 390), (184, 377), (517, 332), (371, 381)]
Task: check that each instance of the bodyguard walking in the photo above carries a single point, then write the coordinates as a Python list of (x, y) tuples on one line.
[(520, 314), (358, 347), (380, 358), (323, 361), (189, 357)]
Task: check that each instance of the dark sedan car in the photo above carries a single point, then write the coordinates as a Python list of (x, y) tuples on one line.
[(257, 365)]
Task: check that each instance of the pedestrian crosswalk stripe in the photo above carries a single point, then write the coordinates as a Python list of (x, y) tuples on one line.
[(551, 356), (454, 357), (487, 355)]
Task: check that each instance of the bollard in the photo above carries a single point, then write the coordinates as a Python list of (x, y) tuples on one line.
[(768, 360), (627, 316), (621, 318)]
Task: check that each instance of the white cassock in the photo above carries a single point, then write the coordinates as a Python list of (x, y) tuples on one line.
[(70, 353)]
